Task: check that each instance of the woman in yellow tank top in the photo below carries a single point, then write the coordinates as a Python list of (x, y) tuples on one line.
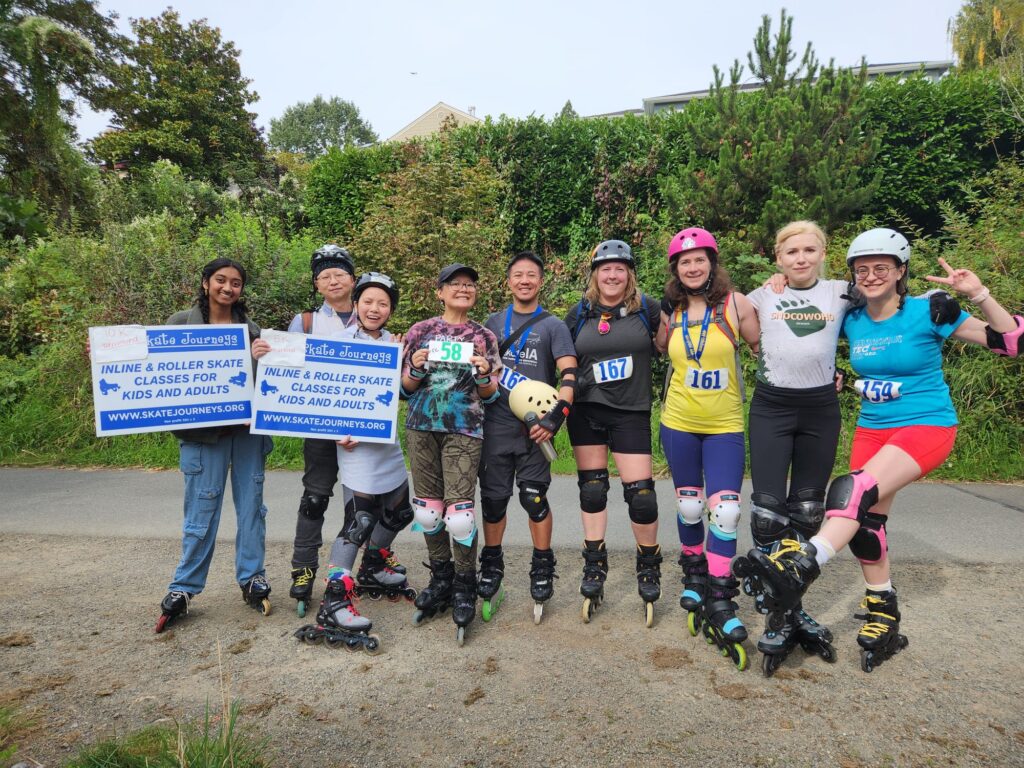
[(702, 323)]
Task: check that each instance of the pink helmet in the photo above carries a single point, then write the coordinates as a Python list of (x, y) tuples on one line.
[(690, 239)]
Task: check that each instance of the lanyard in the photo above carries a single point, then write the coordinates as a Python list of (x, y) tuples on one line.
[(691, 353), (517, 348)]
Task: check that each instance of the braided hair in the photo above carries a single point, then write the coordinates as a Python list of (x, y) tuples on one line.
[(239, 312)]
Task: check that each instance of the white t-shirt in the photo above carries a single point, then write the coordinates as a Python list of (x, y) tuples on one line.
[(799, 331), (325, 322)]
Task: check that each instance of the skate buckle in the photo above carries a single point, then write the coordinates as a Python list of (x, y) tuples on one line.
[(874, 629)]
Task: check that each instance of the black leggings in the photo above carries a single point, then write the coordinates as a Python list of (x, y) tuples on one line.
[(798, 427)]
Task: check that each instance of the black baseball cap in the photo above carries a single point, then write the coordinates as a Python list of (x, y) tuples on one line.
[(530, 255), (447, 273)]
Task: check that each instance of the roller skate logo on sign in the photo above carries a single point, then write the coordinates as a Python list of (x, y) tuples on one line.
[(266, 388), (238, 380), (106, 387)]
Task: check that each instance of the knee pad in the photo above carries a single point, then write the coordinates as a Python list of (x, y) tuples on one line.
[(594, 487), (869, 543), (851, 496), (807, 511), (768, 520), (724, 509), (397, 511), (690, 501), (494, 509), (641, 501), (313, 505), (535, 502), (428, 515), (460, 520), (360, 518)]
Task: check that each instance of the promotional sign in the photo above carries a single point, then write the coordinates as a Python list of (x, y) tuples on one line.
[(344, 388), (158, 378)]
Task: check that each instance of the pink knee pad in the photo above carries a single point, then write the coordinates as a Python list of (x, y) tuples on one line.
[(428, 515), (869, 544), (851, 496), (724, 509)]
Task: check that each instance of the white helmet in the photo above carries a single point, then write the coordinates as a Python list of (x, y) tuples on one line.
[(879, 242)]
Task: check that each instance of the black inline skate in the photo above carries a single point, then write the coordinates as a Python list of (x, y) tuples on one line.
[(376, 579), (174, 604), (391, 560), (595, 571), (785, 575), (463, 603), (302, 589), (719, 622), (437, 595), (879, 637), (648, 580), (542, 580), (338, 623), (256, 592), (799, 629), (695, 586), (492, 570)]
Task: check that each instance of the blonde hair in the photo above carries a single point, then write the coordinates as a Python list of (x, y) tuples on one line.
[(802, 227), (631, 297)]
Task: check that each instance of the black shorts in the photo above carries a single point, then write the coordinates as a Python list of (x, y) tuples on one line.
[(622, 431), (502, 459)]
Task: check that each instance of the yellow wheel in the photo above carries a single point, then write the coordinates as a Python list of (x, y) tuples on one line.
[(739, 656), (693, 623), (587, 611), (265, 607), (650, 614)]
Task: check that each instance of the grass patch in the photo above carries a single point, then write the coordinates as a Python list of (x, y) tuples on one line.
[(14, 724)]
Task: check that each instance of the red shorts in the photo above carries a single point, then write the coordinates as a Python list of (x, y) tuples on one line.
[(928, 446)]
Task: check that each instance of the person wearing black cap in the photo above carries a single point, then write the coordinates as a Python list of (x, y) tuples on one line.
[(534, 344), (450, 370)]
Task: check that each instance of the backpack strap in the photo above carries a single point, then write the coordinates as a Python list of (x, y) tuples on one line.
[(722, 321), (643, 314), (582, 311), (307, 322)]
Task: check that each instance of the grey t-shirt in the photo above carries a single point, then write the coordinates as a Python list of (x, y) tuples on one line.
[(532, 356), (799, 331)]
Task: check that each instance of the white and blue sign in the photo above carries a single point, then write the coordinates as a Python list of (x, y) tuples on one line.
[(189, 376), (345, 388)]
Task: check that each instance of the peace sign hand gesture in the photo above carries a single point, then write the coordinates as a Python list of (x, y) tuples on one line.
[(963, 281)]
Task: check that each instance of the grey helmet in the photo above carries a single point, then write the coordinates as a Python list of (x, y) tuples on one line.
[(330, 255), (612, 250), (377, 280), (879, 242)]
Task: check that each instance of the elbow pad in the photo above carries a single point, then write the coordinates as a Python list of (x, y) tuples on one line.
[(1005, 343)]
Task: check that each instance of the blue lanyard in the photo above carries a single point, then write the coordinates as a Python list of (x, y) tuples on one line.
[(691, 353), (517, 348)]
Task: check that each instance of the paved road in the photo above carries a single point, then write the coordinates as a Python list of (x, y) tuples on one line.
[(931, 521)]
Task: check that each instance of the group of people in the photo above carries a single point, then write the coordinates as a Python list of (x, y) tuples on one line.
[(597, 364)]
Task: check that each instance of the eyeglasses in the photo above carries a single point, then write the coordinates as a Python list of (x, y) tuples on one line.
[(878, 270), (324, 277), (604, 325), (462, 286)]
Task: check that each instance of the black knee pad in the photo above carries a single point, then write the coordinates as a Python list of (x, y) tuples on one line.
[(535, 502), (806, 511), (361, 515), (768, 519), (641, 501), (869, 544), (395, 519), (494, 509), (594, 487), (313, 505)]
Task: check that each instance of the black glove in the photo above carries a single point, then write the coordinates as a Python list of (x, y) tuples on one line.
[(943, 308), (666, 306), (554, 418), (840, 377)]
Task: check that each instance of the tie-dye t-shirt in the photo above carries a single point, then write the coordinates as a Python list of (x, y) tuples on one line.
[(448, 400)]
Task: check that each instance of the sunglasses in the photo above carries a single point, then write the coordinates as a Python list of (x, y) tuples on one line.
[(603, 325)]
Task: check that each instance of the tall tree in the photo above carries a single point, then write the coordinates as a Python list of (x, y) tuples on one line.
[(182, 97), (985, 31), (311, 128)]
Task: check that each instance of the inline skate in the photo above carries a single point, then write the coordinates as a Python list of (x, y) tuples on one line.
[(785, 575), (695, 585), (302, 588), (542, 580), (338, 623), (174, 604), (463, 603), (798, 629), (595, 571), (879, 638), (392, 562), (492, 569), (256, 593), (648, 580), (437, 595), (719, 622), (376, 579)]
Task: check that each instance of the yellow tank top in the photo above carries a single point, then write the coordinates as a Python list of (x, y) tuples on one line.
[(704, 398)]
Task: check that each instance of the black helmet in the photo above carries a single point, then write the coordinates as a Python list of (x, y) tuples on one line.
[(380, 280), (331, 256), (612, 250)]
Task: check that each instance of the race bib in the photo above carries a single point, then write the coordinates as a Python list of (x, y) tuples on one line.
[(878, 391), (613, 370), (711, 380), (510, 378), (439, 351)]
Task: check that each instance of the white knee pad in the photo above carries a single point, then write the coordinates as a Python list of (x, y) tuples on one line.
[(724, 507), (427, 515), (691, 504), (460, 519)]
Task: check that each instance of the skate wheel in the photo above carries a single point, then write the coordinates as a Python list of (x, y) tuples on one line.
[(418, 617), (300, 608), (538, 612), (828, 653), (770, 663), (161, 623), (487, 610), (460, 636), (373, 594), (372, 645), (394, 598), (866, 661), (693, 623), (264, 607), (649, 610), (739, 656), (587, 610), (410, 594)]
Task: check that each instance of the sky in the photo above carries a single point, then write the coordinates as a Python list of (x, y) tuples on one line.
[(394, 59)]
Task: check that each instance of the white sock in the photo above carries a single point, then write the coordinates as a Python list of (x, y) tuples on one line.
[(823, 550), (880, 588)]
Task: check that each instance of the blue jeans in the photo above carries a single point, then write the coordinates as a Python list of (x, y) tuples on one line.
[(205, 467)]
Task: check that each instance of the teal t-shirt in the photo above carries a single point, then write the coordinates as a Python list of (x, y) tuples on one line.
[(898, 362)]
